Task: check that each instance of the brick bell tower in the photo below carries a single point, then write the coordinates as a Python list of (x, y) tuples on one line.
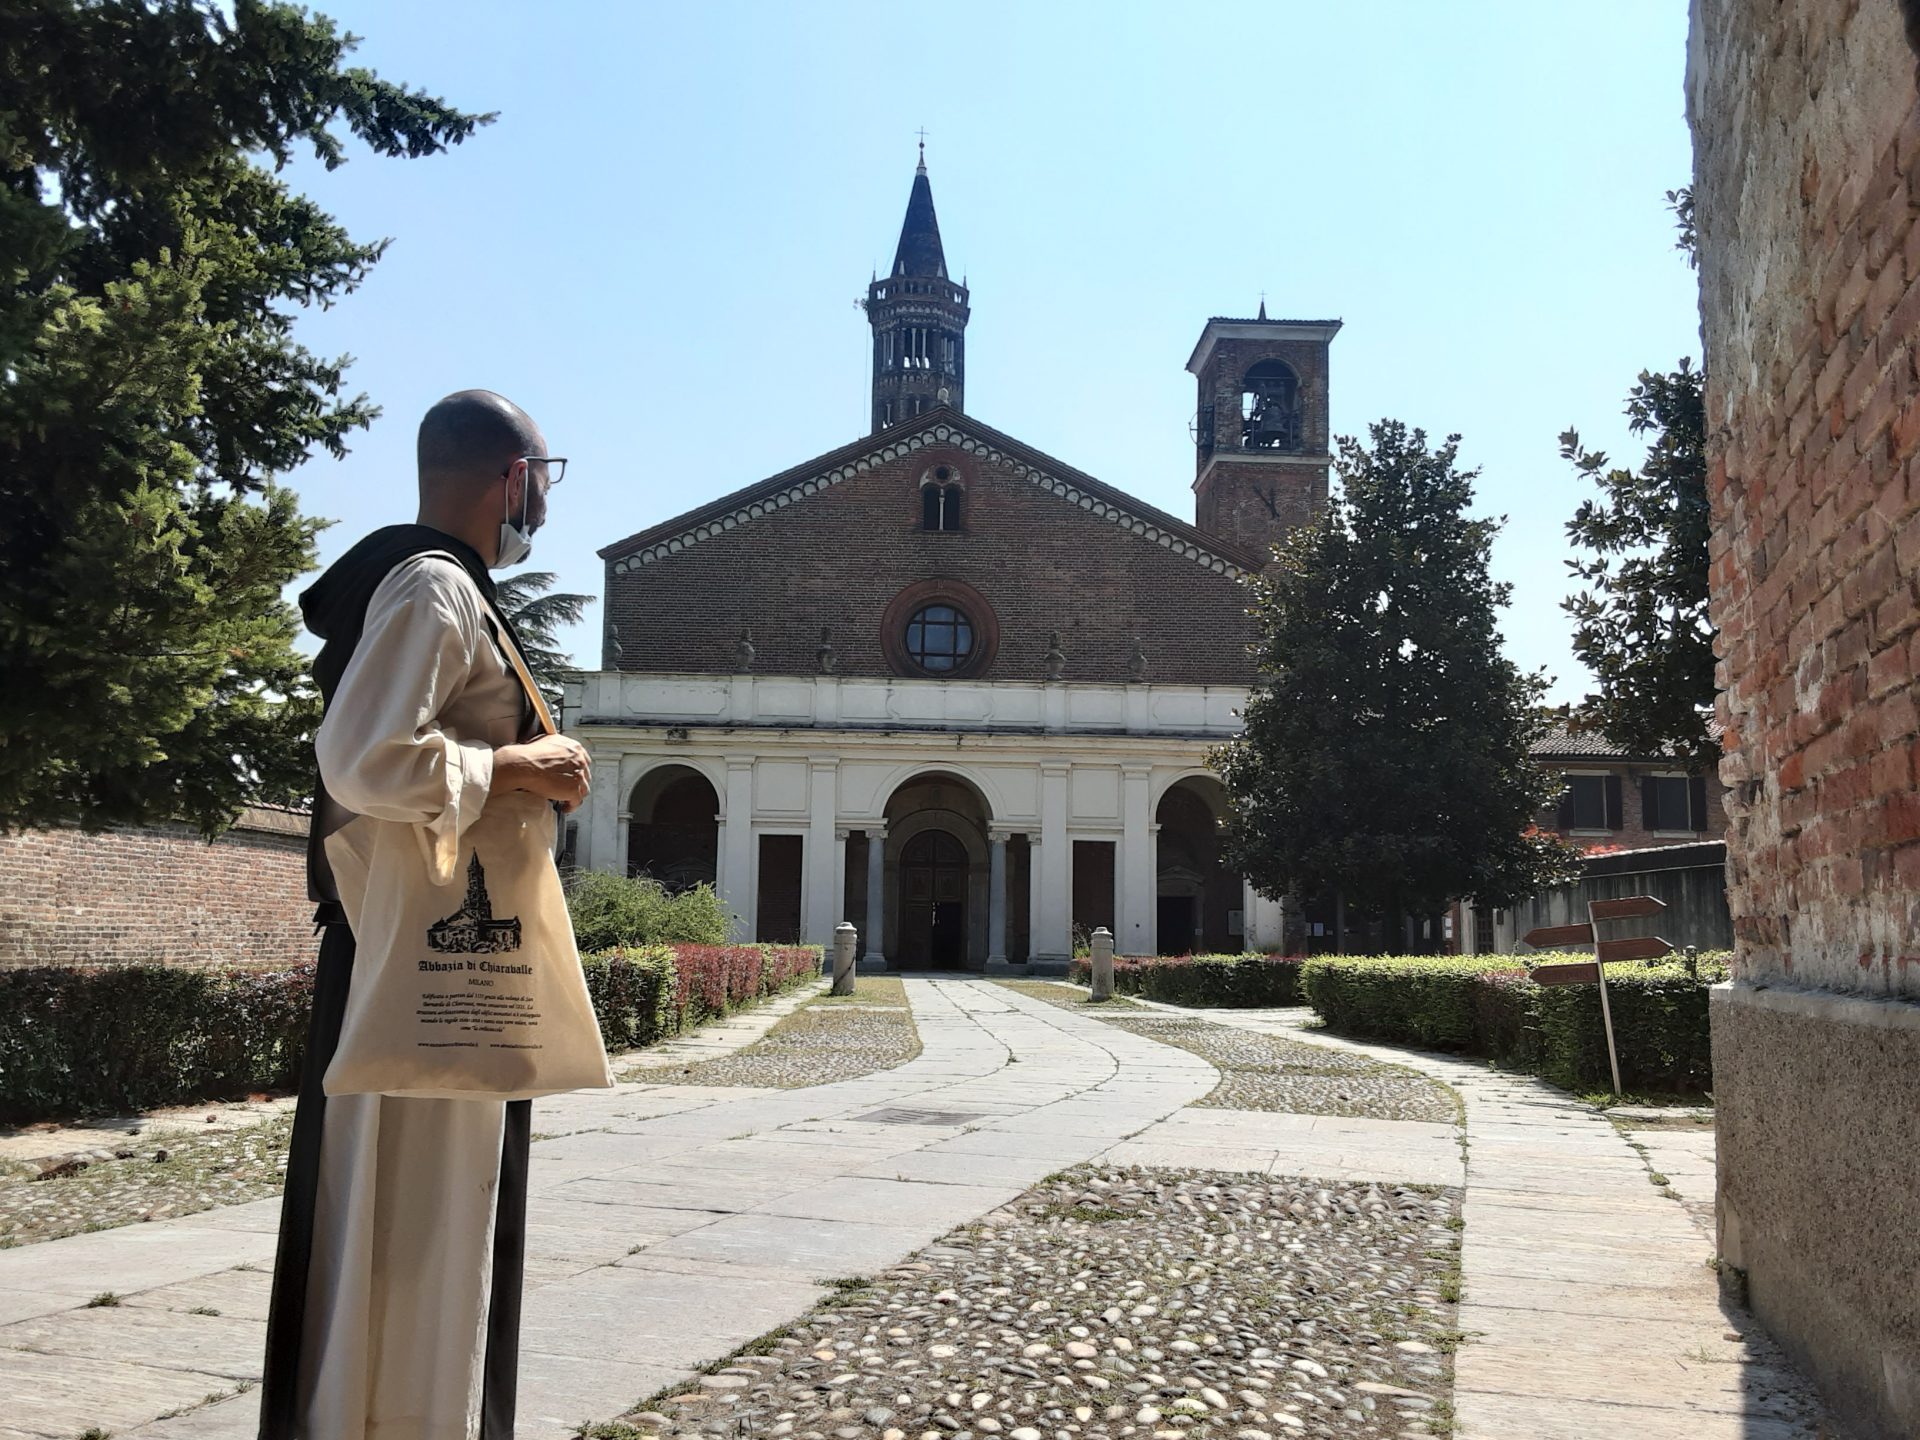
[(1261, 449), (919, 319)]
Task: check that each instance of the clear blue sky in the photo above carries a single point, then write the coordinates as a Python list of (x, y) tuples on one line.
[(657, 247)]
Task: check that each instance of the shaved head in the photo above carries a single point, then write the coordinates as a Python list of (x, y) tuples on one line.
[(468, 438)]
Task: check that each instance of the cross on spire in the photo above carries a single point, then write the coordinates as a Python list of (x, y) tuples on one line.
[(922, 133)]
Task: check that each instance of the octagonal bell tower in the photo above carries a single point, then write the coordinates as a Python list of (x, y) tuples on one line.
[(919, 319)]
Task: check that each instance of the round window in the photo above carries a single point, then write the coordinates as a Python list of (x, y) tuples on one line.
[(939, 638)]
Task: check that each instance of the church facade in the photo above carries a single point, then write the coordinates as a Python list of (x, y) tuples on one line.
[(943, 685)]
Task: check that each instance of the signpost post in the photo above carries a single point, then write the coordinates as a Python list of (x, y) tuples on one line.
[(1594, 971)]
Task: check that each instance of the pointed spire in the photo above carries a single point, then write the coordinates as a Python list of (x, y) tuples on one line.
[(1263, 304), (919, 252)]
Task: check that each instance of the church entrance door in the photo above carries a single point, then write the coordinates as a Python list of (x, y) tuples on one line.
[(933, 916)]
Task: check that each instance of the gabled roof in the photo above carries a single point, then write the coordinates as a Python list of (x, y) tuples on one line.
[(941, 426), (919, 251)]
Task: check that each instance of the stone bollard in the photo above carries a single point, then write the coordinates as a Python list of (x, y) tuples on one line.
[(845, 939), (1102, 988)]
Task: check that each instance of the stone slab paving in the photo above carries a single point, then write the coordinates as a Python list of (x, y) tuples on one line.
[(670, 1224), (1587, 1300)]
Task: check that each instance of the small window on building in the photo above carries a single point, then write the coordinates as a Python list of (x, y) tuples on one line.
[(1591, 802), (939, 503), (939, 639), (1673, 802)]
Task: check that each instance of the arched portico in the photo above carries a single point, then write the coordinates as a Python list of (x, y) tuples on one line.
[(673, 827), (1194, 893)]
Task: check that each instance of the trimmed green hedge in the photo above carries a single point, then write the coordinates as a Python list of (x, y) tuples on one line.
[(615, 910), (1486, 1005), (102, 1041), (1251, 981)]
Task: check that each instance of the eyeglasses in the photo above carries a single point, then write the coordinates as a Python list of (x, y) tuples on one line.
[(556, 466)]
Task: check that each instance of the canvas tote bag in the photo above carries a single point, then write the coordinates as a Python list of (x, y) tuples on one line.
[(470, 989)]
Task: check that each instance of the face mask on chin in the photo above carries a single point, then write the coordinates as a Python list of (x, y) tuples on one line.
[(516, 542)]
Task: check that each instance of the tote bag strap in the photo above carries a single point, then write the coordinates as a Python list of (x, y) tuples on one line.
[(503, 636), (519, 663)]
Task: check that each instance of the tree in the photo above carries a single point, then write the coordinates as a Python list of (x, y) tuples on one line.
[(151, 393), (1384, 756), (536, 617), (1643, 628)]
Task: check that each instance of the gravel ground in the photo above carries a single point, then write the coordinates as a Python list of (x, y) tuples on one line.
[(824, 1040), (1105, 1302), (1267, 1072), (128, 1181), (1071, 997)]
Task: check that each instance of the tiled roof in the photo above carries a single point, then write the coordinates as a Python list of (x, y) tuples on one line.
[(1564, 743)]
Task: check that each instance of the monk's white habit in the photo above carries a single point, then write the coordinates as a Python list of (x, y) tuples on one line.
[(393, 1339)]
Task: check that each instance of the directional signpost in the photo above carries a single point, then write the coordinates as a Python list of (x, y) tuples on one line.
[(1593, 972)]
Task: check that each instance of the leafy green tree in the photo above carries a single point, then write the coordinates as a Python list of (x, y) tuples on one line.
[(1384, 756), (537, 617), (151, 264), (1642, 627)]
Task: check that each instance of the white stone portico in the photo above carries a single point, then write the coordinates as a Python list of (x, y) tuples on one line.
[(967, 804)]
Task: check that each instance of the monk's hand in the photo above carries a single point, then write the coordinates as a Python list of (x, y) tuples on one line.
[(554, 767)]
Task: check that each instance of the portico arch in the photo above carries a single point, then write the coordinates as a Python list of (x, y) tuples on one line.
[(673, 830), (937, 872), (1194, 892)]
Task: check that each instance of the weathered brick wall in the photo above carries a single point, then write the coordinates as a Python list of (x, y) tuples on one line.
[(1807, 182), (157, 895), (838, 557), (1232, 497)]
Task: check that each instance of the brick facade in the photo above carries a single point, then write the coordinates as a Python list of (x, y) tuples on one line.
[(1806, 125), (157, 895), (1811, 279), (1093, 564)]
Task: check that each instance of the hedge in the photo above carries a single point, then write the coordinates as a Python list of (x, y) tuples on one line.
[(1486, 1005), (616, 910), (77, 1041), (1245, 981)]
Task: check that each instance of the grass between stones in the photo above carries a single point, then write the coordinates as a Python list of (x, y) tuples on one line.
[(1110, 1302), (153, 1178), (825, 1040), (1070, 997)]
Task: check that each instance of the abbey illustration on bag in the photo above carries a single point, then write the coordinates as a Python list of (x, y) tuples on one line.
[(472, 930)]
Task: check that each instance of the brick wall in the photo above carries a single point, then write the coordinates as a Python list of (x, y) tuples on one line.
[(1807, 142), (157, 895), (838, 557), (1231, 498), (1633, 833)]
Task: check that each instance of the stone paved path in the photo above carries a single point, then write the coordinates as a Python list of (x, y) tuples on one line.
[(675, 1223), (671, 1225), (1588, 1303)]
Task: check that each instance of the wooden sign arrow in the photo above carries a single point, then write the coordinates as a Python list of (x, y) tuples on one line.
[(1648, 947), (1549, 935), (1585, 973), (1628, 907)]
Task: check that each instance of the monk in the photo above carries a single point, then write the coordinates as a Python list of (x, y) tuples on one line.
[(396, 1295)]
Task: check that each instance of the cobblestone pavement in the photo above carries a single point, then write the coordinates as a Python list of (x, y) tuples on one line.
[(828, 1039), (1110, 1302), (129, 1179)]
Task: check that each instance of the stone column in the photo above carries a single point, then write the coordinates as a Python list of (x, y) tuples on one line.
[(840, 869), (875, 958), (1034, 896), (1053, 936), (736, 847), (1138, 885), (997, 900), (821, 907)]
